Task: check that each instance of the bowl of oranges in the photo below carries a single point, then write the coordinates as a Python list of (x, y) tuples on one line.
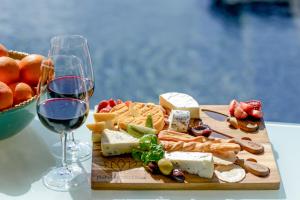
[(19, 76)]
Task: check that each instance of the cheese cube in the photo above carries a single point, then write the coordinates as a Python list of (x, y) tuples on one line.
[(197, 163), (180, 101), (100, 117), (97, 126), (179, 120), (117, 142)]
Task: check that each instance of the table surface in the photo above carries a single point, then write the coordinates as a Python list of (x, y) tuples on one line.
[(24, 159)]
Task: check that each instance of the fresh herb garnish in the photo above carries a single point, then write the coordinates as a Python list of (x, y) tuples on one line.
[(149, 150)]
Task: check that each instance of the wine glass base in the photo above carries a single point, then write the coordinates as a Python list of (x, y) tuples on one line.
[(63, 179), (79, 151)]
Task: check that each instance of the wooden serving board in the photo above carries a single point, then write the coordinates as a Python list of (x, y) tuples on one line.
[(122, 172)]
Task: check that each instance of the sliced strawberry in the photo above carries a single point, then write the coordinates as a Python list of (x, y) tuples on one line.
[(256, 113), (106, 109), (233, 104), (239, 113), (112, 103), (102, 104), (247, 107), (255, 104), (119, 101), (244, 115)]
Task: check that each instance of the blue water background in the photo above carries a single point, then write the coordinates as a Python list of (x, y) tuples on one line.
[(141, 48)]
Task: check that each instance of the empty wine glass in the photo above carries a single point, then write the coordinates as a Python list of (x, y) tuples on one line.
[(62, 106), (76, 45)]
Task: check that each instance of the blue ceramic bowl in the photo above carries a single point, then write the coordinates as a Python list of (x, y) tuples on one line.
[(15, 119)]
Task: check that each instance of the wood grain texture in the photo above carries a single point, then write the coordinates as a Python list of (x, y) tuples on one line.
[(122, 172)]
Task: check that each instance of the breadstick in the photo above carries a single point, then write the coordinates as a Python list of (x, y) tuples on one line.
[(208, 146), (221, 147), (178, 136)]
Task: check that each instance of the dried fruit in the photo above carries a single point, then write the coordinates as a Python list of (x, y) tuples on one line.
[(152, 167), (201, 130), (178, 175)]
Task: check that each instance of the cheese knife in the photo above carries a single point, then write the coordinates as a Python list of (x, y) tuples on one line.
[(250, 164), (244, 125)]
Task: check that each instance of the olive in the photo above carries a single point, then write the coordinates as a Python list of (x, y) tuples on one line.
[(178, 175), (153, 168), (165, 166)]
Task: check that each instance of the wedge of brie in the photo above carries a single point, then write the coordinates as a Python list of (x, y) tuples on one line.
[(117, 142), (180, 101), (197, 163)]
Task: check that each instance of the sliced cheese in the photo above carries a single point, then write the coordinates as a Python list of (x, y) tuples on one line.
[(100, 117), (179, 120), (180, 101), (117, 142), (197, 163), (97, 126)]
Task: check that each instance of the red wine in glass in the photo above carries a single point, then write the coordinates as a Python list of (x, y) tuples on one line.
[(67, 86), (62, 114)]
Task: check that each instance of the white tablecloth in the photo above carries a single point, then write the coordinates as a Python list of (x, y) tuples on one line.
[(24, 159)]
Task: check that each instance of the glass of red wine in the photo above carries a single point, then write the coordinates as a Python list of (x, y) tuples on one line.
[(75, 45), (62, 113)]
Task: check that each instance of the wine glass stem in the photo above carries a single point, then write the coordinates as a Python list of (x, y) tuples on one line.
[(72, 137), (64, 149)]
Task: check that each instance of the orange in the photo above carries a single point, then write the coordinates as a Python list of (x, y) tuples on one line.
[(18, 62), (9, 70), (3, 50), (21, 92), (6, 96), (30, 69)]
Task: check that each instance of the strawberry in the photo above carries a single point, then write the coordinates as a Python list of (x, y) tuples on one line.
[(112, 103), (119, 101), (102, 104), (106, 109), (239, 113), (256, 114), (233, 104), (247, 107), (255, 104)]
